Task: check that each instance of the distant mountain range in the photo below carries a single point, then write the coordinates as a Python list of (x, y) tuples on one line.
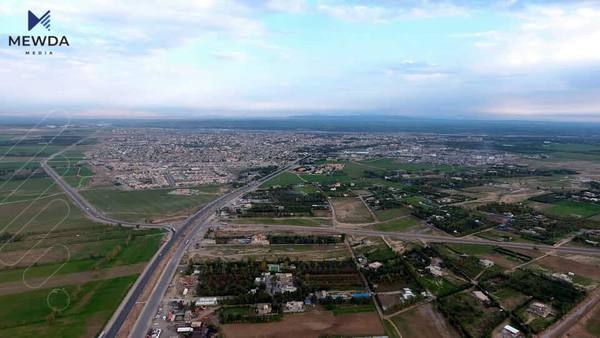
[(347, 123)]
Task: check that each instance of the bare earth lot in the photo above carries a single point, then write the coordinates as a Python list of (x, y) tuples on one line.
[(351, 210), (311, 325), (272, 252), (563, 265), (424, 321)]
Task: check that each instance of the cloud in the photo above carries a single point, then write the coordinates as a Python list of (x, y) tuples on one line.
[(548, 35), (169, 57), (290, 6), (230, 56), (382, 14)]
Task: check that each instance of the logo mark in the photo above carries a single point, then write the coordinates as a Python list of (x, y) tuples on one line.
[(33, 20)]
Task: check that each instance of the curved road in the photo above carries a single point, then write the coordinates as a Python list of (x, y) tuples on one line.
[(85, 206), (180, 240), (184, 236), (176, 237)]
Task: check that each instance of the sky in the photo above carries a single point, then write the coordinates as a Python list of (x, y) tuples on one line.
[(483, 59)]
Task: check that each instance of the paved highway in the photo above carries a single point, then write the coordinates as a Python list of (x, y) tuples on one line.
[(427, 238), (575, 316), (180, 240), (85, 206)]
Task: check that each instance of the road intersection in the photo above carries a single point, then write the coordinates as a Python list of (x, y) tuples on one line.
[(169, 255)]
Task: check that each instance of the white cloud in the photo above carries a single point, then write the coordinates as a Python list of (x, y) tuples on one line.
[(383, 14), (579, 105), (548, 35), (230, 56), (290, 6)]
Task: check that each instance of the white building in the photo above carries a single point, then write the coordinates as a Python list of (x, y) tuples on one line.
[(509, 331), (375, 265), (294, 306), (407, 294), (481, 296), (207, 301)]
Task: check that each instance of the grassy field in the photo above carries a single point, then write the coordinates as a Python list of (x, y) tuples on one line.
[(147, 205), (438, 285), (52, 212), (76, 174), (509, 298), (353, 172), (344, 309), (327, 179), (36, 151), (26, 190), (284, 179), (569, 208), (390, 331), (388, 214), (132, 251), (237, 310), (391, 164), (593, 324), (40, 224), (84, 309), (306, 188)]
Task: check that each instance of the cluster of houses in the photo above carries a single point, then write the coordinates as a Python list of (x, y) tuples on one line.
[(323, 169), (189, 320), (539, 309), (587, 196), (276, 283)]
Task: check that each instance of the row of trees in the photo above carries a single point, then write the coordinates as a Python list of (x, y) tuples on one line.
[(310, 239)]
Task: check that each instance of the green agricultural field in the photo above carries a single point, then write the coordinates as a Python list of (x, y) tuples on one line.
[(101, 255), (80, 310), (593, 324), (7, 164), (37, 215), (76, 175), (306, 188), (470, 314), (509, 298), (398, 224), (287, 221), (78, 182), (438, 286), (344, 309), (237, 310), (51, 212), (390, 330), (417, 200), (391, 164), (568, 208), (327, 179), (388, 214), (357, 169), (147, 205), (41, 150), (284, 179), (29, 189)]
